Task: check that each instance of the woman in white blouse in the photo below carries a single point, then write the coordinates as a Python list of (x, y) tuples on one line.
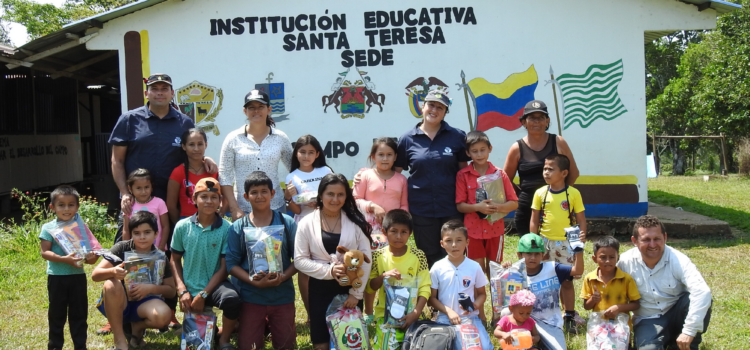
[(257, 146)]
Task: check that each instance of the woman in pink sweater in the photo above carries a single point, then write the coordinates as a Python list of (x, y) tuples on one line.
[(335, 222)]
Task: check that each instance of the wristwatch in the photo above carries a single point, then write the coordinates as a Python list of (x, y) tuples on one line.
[(180, 294), (203, 294)]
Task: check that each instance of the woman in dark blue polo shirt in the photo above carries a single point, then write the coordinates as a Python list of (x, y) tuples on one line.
[(433, 152)]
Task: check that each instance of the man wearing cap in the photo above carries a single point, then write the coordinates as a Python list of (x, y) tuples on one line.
[(527, 157), (675, 299), (433, 152), (241, 153), (149, 137)]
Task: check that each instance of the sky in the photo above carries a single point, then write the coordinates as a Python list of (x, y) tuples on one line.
[(17, 32)]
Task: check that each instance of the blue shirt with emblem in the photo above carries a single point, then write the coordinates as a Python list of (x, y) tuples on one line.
[(202, 249), (153, 143), (432, 165), (237, 256)]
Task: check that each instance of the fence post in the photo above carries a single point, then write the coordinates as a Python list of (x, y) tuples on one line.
[(656, 153), (724, 171)]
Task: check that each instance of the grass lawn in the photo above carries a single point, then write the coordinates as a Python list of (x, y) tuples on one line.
[(23, 294)]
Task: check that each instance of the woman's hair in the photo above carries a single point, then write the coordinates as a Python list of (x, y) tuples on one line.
[(137, 174), (523, 297), (312, 141), (350, 206), (388, 141), (183, 142)]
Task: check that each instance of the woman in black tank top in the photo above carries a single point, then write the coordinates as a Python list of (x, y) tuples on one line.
[(527, 155)]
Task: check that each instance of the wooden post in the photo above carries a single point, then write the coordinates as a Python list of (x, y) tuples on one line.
[(724, 171), (656, 153)]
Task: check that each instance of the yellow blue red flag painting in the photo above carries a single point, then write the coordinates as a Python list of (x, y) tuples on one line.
[(501, 104)]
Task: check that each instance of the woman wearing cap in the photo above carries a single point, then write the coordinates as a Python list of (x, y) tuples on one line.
[(256, 146), (527, 157), (433, 152)]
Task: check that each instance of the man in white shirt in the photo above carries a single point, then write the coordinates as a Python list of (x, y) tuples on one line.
[(675, 299)]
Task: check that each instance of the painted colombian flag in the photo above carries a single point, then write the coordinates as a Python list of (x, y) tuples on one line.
[(500, 105)]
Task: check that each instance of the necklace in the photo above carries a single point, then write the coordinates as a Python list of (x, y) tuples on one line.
[(146, 202), (330, 228), (196, 171)]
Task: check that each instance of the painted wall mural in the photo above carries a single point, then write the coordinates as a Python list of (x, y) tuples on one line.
[(417, 90), (353, 94), (275, 92), (202, 103)]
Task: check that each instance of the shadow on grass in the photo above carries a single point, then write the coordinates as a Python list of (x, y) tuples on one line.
[(737, 219)]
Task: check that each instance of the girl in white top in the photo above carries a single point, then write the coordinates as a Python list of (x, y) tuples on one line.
[(308, 168), (257, 146), (335, 222)]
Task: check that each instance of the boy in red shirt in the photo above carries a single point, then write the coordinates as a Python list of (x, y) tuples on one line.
[(485, 239)]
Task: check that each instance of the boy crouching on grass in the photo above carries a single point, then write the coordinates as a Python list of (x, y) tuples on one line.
[(267, 298), (398, 260), (608, 288), (202, 241), (143, 307), (66, 280)]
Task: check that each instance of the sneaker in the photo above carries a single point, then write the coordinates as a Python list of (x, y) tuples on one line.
[(107, 329), (569, 325)]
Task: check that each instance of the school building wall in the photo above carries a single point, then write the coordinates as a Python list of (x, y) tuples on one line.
[(348, 72)]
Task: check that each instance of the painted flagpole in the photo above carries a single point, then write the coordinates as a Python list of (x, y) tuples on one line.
[(554, 93), (466, 95)]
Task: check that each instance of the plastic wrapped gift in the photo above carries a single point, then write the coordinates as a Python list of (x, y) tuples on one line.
[(467, 335), (495, 188), (140, 264), (305, 197), (263, 245), (504, 283), (521, 340), (400, 299), (606, 334), (72, 238), (346, 326), (198, 330)]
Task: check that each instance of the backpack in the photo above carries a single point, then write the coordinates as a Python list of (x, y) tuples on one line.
[(429, 335)]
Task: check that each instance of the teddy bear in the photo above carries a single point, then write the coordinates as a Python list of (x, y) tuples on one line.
[(353, 260)]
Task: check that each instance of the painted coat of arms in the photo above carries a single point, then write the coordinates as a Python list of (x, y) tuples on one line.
[(353, 99), (417, 90), (275, 92), (202, 103)]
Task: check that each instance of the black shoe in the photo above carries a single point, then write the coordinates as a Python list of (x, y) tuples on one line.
[(569, 325)]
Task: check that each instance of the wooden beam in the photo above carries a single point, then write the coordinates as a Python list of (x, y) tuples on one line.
[(52, 51), (72, 36), (689, 137), (87, 63), (15, 61)]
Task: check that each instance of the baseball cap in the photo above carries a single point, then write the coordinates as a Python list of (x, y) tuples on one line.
[(207, 184), (158, 78), (534, 106), (438, 96), (257, 95), (529, 243)]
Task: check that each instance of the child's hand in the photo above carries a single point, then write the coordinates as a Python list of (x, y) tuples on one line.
[(508, 338), (452, 316), (198, 303), (139, 291), (582, 236), (409, 319), (71, 259), (487, 207), (185, 301), (269, 280), (119, 272), (350, 302), (290, 191), (506, 264), (258, 276), (91, 258), (596, 297), (612, 312), (392, 273), (339, 271), (379, 212)]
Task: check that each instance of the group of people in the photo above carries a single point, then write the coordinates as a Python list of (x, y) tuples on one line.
[(176, 200)]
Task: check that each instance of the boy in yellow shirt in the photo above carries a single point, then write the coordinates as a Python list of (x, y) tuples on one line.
[(608, 288), (397, 260), (554, 208)]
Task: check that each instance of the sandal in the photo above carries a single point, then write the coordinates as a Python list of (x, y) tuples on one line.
[(139, 342)]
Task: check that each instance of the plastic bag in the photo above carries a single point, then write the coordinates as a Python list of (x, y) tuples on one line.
[(379, 239), (607, 334), (264, 248), (152, 263), (521, 340), (400, 299), (467, 336), (305, 197), (505, 282), (72, 238), (495, 188), (346, 326), (198, 330)]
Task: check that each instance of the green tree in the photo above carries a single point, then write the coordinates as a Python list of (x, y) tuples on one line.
[(43, 19), (4, 38)]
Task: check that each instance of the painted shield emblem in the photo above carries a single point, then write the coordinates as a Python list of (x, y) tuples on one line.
[(202, 103)]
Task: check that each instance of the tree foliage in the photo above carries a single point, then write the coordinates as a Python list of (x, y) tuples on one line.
[(708, 91), (43, 19)]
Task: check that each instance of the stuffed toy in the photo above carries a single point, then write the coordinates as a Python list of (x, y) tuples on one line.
[(353, 260)]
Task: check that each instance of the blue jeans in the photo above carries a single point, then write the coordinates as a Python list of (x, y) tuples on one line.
[(484, 338)]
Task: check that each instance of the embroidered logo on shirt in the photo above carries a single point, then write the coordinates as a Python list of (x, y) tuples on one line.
[(448, 151), (564, 205), (176, 142), (467, 282)]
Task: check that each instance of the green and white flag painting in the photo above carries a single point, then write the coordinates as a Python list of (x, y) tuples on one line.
[(592, 95)]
